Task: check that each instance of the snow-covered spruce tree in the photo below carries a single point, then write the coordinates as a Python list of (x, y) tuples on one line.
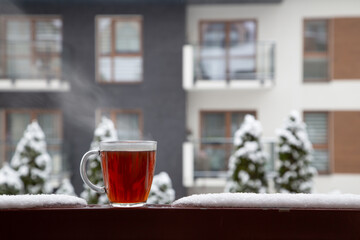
[(105, 131), (31, 160), (161, 190), (10, 183), (247, 164), (295, 175), (66, 188)]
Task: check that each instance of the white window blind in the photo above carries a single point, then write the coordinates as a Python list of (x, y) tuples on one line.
[(317, 128)]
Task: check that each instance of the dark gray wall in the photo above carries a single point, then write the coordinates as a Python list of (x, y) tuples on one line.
[(160, 96)]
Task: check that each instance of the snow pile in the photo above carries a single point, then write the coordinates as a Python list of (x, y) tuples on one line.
[(10, 182), (66, 188), (294, 150), (105, 131), (31, 159), (276, 200), (246, 165), (39, 201), (161, 190)]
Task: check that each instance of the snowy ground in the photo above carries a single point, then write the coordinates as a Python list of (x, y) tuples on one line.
[(253, 200)]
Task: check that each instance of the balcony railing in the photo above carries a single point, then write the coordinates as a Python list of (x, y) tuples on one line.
[(208, 158), (228, 66), (30, 59), (30, 63)]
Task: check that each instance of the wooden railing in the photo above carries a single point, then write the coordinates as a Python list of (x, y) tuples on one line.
[(165, 222)]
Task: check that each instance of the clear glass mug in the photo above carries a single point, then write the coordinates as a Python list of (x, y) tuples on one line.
[(128, 170)]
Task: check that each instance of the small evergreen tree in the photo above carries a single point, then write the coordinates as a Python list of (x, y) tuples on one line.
[(294, 151), (105, 131), (10, 183), (161, 190), (247, 164), (31, 160), (66, 188)]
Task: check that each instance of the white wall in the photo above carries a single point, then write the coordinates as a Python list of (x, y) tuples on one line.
[(282, 23)]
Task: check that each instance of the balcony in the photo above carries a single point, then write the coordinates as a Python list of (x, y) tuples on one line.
[(32, 65), (245, 66), (205, 161)]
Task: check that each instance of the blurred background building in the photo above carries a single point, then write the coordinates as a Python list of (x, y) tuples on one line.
[(184, 73), (267, 59), (66, 63)]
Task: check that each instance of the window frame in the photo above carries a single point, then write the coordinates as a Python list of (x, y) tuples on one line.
[(32, 19), (114, 111), (227, 23), (329, 144), (113, 54), (328, 54), (33, 113), (228, 114)]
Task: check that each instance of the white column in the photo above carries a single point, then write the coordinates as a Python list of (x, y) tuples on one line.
[(188, 67), (188, 164)]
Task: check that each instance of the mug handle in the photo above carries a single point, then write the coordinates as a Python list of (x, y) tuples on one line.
[(83, 174)]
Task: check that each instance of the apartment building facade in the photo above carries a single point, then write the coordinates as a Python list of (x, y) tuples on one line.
[(68, 63), (266, 60), (184, 73)]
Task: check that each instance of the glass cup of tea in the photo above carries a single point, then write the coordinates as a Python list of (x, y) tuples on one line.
[(127, 168)]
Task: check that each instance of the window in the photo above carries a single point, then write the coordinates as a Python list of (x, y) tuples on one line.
[(128, 123), (30, 47), (50, 121), (316, 65), (318, 131), (119, 49), (227, 50), (216, 145)]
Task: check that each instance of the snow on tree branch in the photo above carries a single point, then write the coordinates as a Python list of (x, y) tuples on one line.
[(246, 165), (295, 175)]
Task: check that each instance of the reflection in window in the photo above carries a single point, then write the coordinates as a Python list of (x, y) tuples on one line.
[(228, 50), (32, 48), (119, 49), (316, 36), (128, 123), (316, 54)]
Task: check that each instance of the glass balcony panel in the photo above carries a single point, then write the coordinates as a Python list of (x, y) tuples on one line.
[(243, 61), (242, 68), (20, 68), (212, 69)]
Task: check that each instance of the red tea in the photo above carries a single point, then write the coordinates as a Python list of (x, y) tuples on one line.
[(128, 175)]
